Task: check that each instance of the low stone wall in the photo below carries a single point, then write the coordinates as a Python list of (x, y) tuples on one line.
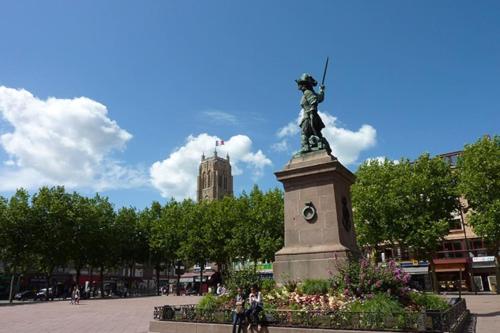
[(185, 327)]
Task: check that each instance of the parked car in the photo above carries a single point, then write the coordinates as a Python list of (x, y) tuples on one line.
[(25, 295), (42, 294)]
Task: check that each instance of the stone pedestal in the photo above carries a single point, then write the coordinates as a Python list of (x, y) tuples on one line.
[(319, 231)]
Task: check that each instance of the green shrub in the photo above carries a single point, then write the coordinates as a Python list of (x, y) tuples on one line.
[(244, 279), (381, 303), (289, 283), (208, 303), (363, 278), (378, 312), (315, 287), (428, 301), (267, 285)]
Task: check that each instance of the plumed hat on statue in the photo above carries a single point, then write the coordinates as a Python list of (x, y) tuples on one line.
[(307, 79)]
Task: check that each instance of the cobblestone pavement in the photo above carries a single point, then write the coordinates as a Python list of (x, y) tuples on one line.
[(486, 308), (129, 315)]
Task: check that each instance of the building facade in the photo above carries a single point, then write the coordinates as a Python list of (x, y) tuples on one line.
[(215, 179), (462, 259)]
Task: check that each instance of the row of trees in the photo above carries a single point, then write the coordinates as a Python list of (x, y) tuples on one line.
[(405, 203), (54, 228), (411, 203)]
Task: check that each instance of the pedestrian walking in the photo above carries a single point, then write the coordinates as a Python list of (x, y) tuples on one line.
[(77, 295)]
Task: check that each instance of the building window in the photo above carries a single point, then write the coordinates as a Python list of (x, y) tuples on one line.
[(456, 224), (452, 250), (209, 178)]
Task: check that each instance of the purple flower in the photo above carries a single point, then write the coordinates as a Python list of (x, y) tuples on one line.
[(378, 284)]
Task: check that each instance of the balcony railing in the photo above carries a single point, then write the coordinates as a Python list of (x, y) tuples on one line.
[(462, 253)]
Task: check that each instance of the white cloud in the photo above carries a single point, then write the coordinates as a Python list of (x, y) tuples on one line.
[(292, 128), (280, 146), (176, 176), (61, 142), (346, 144), (380, 160), (221, 116)]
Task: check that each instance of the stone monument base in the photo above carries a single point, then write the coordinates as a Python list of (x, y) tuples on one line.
[(319, 232), (309, 263)]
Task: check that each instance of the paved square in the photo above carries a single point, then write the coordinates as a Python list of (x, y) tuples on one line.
[(132, 315), (128, 315)]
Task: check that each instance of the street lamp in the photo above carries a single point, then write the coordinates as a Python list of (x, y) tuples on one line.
[(179, 270)]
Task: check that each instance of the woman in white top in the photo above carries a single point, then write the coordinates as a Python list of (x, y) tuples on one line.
[(256, 306)]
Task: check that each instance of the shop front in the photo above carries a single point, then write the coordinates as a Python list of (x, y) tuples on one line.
[(452, 274), (483, 270), (419, 274)]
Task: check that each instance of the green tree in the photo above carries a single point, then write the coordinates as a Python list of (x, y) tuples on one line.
[(16, 234), (150, 219), (195, 247), (479, 183), (104, 251), (430, 198), (376, 203), (241, 237), (270, 213), (221, 216), (84, 225), (258, 230), (53, 218), (133, 244), (408, 204), (168, 235)]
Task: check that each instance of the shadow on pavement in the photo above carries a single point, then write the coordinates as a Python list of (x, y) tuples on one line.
[(491, 314)]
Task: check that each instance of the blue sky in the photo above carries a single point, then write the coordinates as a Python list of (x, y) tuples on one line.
[(120, 97)]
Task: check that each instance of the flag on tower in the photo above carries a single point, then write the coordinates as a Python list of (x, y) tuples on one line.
[(219, 143)]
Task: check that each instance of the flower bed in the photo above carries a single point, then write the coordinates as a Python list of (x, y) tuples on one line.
[(360, 296)]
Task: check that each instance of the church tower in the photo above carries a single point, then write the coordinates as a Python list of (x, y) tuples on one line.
[(214, 178)]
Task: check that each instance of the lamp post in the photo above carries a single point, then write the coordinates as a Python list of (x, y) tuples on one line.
[(179, 270), (462, 220)]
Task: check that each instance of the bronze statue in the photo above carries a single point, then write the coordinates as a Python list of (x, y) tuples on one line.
[(311, 123)]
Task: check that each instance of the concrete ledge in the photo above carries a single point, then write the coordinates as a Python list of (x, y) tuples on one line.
[(185, 327)]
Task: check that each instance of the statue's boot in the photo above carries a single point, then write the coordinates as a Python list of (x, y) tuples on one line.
[(305, 145)]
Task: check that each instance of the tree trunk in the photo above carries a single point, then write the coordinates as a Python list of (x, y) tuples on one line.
[(78, 273), (11, 291), (130, 276), (48, 287), (157, 268), (434, 281), (202, 267), (101, 275), (91, 281), (373, 256), (497, 256)]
